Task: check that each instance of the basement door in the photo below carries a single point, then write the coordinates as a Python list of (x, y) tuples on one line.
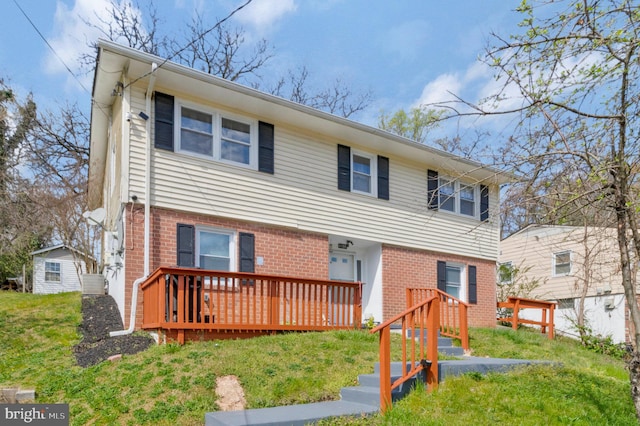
[(341, 268)]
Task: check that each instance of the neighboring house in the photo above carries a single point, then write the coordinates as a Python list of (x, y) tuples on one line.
[(195, 170), (570, 264), (57, 269)]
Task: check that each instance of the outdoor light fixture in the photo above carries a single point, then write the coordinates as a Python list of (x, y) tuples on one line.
[(346, 245)]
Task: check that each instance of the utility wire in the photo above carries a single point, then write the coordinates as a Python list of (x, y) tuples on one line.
[(177, 52), (50, 47)]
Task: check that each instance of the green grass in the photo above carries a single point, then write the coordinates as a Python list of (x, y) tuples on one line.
[(173, 384)]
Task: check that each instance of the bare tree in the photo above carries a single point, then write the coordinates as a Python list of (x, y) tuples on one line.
[(337, 98), (575, 68), (21, 228), (220, 50)]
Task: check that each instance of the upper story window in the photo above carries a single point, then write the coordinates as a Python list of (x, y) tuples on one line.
[(52, 271), (463, 198), (209, 133), (363, 172), (458, 197), (214, 134), (561, 263)]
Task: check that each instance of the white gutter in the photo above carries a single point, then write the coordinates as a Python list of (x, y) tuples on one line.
[(147, 208)]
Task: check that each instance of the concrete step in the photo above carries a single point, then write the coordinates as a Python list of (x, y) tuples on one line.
[(293, 415), (450, 368)]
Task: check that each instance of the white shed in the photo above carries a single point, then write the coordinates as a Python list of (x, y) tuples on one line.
[(57, 269)]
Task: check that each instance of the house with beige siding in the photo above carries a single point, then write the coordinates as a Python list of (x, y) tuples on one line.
[(197, 171), (577, 267)]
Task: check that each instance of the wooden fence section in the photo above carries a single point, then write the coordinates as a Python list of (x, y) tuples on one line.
[(517, 303), (415, 320), (181, 299), (453, 313)]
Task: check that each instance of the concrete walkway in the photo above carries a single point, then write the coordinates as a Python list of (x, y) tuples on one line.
[(357, 401)]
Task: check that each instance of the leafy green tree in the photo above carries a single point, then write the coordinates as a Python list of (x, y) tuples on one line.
[(414, 125)]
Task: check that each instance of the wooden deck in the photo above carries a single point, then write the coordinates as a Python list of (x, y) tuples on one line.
[(195, 304)]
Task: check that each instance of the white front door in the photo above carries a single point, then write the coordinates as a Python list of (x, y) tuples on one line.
[(341, 267)]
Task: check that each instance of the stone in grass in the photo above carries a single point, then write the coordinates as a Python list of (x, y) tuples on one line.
[(9, 394), (114, 358), (25, 396)]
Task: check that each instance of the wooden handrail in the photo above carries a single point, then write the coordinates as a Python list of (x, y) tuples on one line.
[(517, 303), (419, 318), (453, 313), (196, 299)]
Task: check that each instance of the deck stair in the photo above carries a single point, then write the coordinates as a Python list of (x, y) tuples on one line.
[(362, 400)]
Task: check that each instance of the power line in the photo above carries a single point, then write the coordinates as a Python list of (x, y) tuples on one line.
[(50, 47), (177, 52)]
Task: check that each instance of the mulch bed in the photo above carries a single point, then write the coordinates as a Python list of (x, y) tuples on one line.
[(100, 316)]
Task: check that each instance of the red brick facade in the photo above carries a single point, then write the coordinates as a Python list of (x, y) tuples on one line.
[(404, 267), (284, 252), (296, 253)]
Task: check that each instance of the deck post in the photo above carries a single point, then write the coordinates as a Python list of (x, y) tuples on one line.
[(432, 343), (516, 309), (464, 329), (385, 369)]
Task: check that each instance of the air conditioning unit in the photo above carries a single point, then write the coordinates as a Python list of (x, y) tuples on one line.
[(609, 303)]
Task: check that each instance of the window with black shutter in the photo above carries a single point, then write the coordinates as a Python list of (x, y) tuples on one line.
[(205, 132), (363, 173), (186, 245)]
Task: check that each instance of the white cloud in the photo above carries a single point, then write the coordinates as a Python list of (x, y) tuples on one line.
[(261, 14), (440, 89), (73, 35)]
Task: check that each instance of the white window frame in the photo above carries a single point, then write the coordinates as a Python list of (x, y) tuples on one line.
[(216, 124), (59, 271), (462, 294), (373, 161), (457, 185), (509, 265), (555, 263), (232, 244), (568, 303)]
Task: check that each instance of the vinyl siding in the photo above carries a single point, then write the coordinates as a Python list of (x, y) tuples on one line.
[(137, 133), (532, 251), (303, 194), (114, 162), (69, 279)]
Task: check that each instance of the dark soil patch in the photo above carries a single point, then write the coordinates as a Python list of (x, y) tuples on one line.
[(100, 315)]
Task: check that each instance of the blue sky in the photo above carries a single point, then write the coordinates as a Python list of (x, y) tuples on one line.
[(406, 52)]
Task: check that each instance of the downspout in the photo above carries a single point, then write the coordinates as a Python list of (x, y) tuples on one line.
[(147, 208)]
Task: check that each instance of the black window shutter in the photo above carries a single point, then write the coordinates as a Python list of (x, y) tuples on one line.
[(383, 177), (247, 252), (344, 168), (484, 202), (265, 147), (186, 245), (164, 121), (473, 286), (432, 190), (442, 275)]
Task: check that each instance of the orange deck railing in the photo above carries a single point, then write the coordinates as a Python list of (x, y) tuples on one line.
[(453, 313), (417, 354), (517, 303), (189, 299)]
